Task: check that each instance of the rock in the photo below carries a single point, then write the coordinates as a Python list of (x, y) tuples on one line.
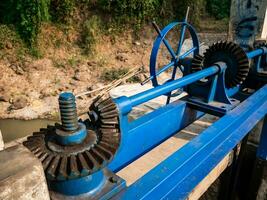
[(4, 98), (141, 77), (137, 43), (73, 83), (122, 51), (19, 103), (92, 87), (146, 43), (91, 63), (9, 45), (77, 75), (17, 69), (122, 57), (46, 92)]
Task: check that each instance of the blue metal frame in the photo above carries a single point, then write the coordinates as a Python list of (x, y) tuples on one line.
[(180, 173), (262, 148)]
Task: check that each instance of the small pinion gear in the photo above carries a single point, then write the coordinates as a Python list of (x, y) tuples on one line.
[(74, 161), (230, 53)]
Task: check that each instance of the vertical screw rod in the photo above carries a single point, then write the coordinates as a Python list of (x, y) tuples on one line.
[(68, 111)]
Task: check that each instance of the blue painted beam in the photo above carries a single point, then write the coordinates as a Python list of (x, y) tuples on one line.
[(180, 173), (262, 148), (145, 133)]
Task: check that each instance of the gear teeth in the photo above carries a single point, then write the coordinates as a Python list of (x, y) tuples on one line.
[(62, 172), (47, 161), (109, 114), (83, 165), (51, 170), (74, 173), (108, 146), (110, 121), (43, 156), (224, 51), (98, 157), (92, 162), (106, 153), (197, 63)]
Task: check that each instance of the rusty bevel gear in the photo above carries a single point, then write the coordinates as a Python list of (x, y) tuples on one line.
[(231, 54), (75, 161), (197, 63)]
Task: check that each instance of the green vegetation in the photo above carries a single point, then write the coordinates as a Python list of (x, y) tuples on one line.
[(113, 74), (89, 34), (26, 15), (89, 16), (218, 8), (62, 10)]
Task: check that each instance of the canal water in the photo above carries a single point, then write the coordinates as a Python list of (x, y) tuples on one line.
[(12, 129)]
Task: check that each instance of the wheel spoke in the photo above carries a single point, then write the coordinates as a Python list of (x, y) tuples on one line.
[(159, 72), (182, 34), (187, 53), (165, 68), (171, 51)]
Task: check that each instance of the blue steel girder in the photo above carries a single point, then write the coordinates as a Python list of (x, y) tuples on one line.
[(262, 148), (179, 174)]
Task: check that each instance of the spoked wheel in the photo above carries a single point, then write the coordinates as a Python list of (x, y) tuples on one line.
[(175, 55)]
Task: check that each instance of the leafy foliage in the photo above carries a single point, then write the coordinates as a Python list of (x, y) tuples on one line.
[(219, 8), (134, 11), (27, 16), (30, 15), (89, 33), (62, 10), (113, 74)]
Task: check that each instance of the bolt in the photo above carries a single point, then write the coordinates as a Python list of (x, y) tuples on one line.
[(68, 111)]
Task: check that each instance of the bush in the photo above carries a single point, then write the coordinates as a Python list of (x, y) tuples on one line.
[(113, 74), (219, 8), (134, 11), (90, 31), (176, 10), (62, 10), (27, 16)]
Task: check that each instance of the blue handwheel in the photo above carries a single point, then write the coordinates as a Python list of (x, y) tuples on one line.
[(176, 56)]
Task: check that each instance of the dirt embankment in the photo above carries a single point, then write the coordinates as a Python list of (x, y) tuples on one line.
[(29, 87)]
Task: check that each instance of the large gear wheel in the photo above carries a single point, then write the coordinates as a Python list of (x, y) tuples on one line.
[(94, 153), (231, 54)]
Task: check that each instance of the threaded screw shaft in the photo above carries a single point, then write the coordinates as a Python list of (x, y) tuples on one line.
[(68, 111)]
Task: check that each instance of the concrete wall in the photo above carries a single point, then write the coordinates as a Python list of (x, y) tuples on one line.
[(246, 21), (21, 175)]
